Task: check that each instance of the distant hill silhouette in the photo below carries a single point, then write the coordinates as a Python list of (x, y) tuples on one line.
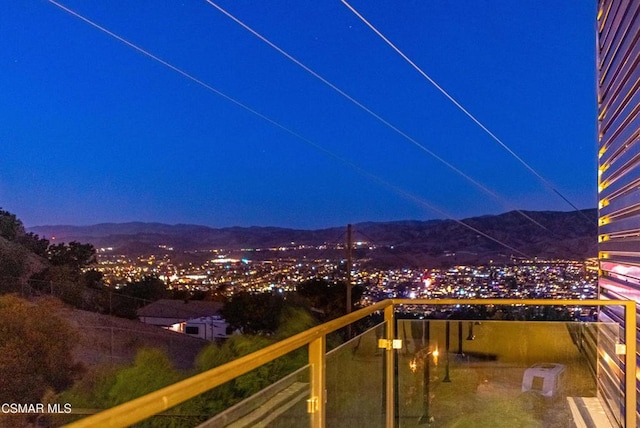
[(569, 235)]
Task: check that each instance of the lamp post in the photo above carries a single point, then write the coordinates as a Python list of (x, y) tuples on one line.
[(425, 355), (447, 343)]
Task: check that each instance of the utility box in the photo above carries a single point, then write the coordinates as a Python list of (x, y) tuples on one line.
[(543, 378)]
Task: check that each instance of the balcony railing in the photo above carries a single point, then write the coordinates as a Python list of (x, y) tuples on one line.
[(399, 378)]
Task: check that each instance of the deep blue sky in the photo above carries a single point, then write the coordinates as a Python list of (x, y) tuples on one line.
[(93, 131)]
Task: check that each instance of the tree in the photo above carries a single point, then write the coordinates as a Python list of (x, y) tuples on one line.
[(34, 243), (327, 298), (63, 282), (12, 268), (64, 277), (93, 279), (293, 320), (130, 297), (74, 255), (253, 313), (10, 226), (15, 258), (150, 288), (35, 350), (150, 371)]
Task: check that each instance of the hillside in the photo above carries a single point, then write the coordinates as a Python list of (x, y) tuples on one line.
[(113, 340), (544, 234)]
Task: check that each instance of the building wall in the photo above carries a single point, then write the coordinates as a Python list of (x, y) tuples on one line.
[(618, 84)]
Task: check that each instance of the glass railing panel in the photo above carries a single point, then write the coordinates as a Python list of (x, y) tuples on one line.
[(497, 373), (273, 395), (611, 371), (280, 405), (355, 382)]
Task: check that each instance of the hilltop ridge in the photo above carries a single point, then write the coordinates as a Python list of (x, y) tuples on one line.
[(544, 234)]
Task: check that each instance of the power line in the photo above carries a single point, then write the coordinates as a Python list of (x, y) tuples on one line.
[(372, 113), (546, 182), (371, 176)]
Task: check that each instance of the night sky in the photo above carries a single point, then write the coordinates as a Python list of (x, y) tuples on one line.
[(93, 131)]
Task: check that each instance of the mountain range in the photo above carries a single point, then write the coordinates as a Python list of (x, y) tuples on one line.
[(521, 234)]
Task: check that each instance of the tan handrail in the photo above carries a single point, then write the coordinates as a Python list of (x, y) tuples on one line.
[(159, 401)]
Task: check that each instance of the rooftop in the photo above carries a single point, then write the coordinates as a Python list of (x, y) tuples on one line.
[(180, 309)]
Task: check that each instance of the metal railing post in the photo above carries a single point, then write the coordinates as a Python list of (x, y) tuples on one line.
[(630, 362), (316, 405), (390, 368)]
